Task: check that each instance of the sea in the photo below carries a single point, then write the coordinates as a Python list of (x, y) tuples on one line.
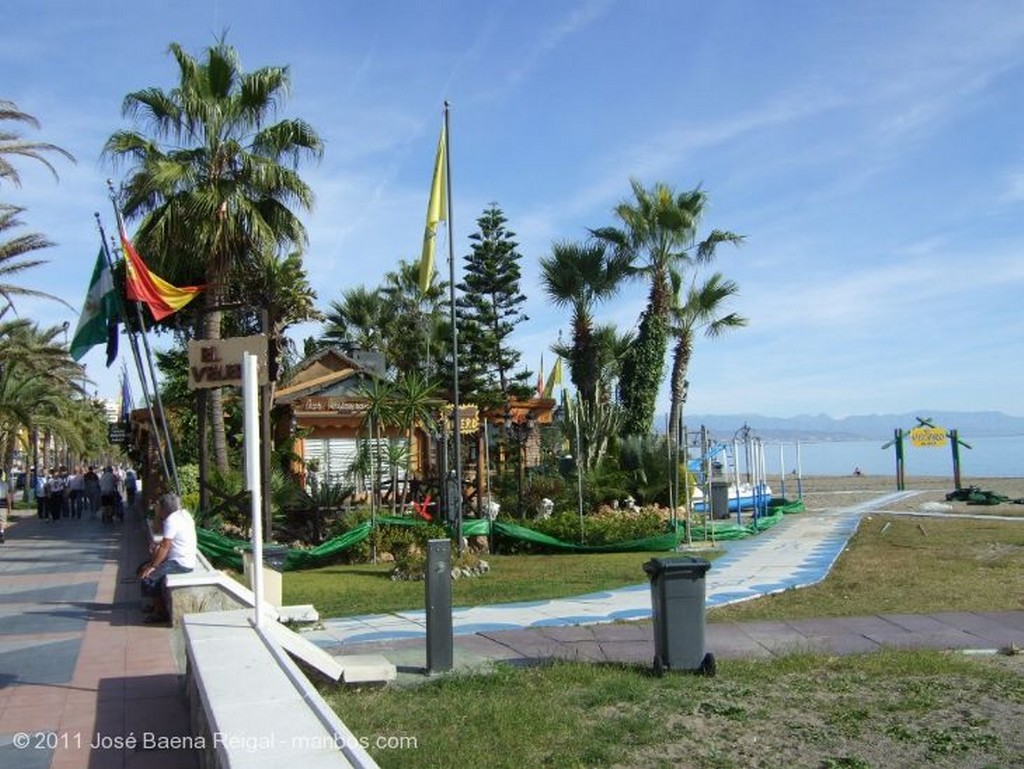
[(988, 457)]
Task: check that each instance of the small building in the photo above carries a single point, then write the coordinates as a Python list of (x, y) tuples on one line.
[(325, 405)]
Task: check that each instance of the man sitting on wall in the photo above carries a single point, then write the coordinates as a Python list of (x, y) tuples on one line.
[(176, 554)]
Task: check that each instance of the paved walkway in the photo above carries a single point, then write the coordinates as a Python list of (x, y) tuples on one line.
[(76, 663)]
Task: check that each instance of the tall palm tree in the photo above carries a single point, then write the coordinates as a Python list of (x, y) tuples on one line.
[(657, 233), (580, 275), (12, 143), (216, 182), (702, 309)]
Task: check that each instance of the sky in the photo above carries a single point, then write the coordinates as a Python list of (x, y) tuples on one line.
[(870, 153)]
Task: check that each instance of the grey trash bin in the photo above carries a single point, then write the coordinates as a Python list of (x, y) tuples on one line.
[(677, 602)]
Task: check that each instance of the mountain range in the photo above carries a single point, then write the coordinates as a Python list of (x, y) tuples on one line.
[(822, 427)]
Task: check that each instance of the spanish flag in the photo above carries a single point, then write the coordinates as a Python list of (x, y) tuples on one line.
[(437, 211), (142, 285)]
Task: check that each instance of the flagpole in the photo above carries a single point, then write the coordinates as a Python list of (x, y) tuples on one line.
[(137, 358), (173, 477), (457, 426)]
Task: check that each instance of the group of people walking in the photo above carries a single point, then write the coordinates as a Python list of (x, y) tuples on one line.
[(62, 493)]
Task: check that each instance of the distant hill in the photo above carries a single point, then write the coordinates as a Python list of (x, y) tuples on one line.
[(867, 427)]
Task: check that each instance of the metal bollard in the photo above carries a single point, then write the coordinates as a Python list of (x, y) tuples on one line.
[(439, 605)]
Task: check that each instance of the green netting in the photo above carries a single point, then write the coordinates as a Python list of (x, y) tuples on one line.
[(227, 552), (666, 541)]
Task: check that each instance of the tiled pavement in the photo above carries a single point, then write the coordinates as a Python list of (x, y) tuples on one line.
[(77, 666)]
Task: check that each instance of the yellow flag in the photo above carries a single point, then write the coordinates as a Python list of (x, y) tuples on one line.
[(437, 211), (554, 378)]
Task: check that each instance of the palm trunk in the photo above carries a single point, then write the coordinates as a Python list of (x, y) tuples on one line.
[(211, 331), (680, 365)]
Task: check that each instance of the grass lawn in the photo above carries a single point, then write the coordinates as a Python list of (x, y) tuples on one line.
[(339, 591), (888, 709), (896, 564), (883, 710)]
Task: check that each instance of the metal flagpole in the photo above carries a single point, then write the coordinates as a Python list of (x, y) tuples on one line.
[(149, 360), (134, 343), (456, 424)]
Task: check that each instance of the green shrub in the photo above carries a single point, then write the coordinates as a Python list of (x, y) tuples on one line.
[(607, 528)]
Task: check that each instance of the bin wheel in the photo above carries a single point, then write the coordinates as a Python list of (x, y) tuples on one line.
[(659, 667), (708, 666)]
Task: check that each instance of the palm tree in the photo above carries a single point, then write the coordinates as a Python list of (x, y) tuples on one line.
[(12, 143), (414, 405), (580, 275), (418, 334), (40, 389), (13, 253), (280, 286), (657, 232), (612, 348), (701, 309), (216, 183), (361, 317)]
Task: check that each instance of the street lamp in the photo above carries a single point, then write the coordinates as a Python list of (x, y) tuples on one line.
[(520, 432)]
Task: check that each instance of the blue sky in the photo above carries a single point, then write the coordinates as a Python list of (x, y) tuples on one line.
[(870, 152)]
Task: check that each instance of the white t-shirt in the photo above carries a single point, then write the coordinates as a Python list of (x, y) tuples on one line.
[(180, 529)]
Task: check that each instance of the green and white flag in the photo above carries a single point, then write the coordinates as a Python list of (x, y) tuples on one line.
[(100, 314)]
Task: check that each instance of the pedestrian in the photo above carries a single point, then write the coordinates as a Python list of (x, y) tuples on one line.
[(176, 554), (92, 490), (76, 492), (131, 486), (40, 486), (108, 493), (6, 501), (55, 494)]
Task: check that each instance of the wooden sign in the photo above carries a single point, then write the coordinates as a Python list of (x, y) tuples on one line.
[(218, 362)]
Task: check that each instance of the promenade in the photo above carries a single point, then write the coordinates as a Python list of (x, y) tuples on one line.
[(84, 683)]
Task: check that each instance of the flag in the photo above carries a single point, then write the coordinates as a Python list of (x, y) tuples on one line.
[(126, 399), (540, 378), (437, 211), (142, 285), (101, 312), (554, 378)]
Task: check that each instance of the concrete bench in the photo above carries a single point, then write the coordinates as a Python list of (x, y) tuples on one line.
[(206, 589), (252, 705)]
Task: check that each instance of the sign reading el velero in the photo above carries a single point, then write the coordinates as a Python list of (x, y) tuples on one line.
[(218, 362), (929, 437)]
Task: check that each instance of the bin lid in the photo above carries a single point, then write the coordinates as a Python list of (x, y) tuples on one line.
[(688, 565)]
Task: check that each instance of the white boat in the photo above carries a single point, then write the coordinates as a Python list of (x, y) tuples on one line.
[(744, 496)]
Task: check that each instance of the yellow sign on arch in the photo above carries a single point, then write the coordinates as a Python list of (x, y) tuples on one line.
[(929, 437)]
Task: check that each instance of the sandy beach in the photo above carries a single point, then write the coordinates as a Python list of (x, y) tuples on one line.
[(829, 492)]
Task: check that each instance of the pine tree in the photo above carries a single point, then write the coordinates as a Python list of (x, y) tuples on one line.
[(488, 310)]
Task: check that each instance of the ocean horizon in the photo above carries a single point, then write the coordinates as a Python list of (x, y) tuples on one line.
[(988, 457)]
